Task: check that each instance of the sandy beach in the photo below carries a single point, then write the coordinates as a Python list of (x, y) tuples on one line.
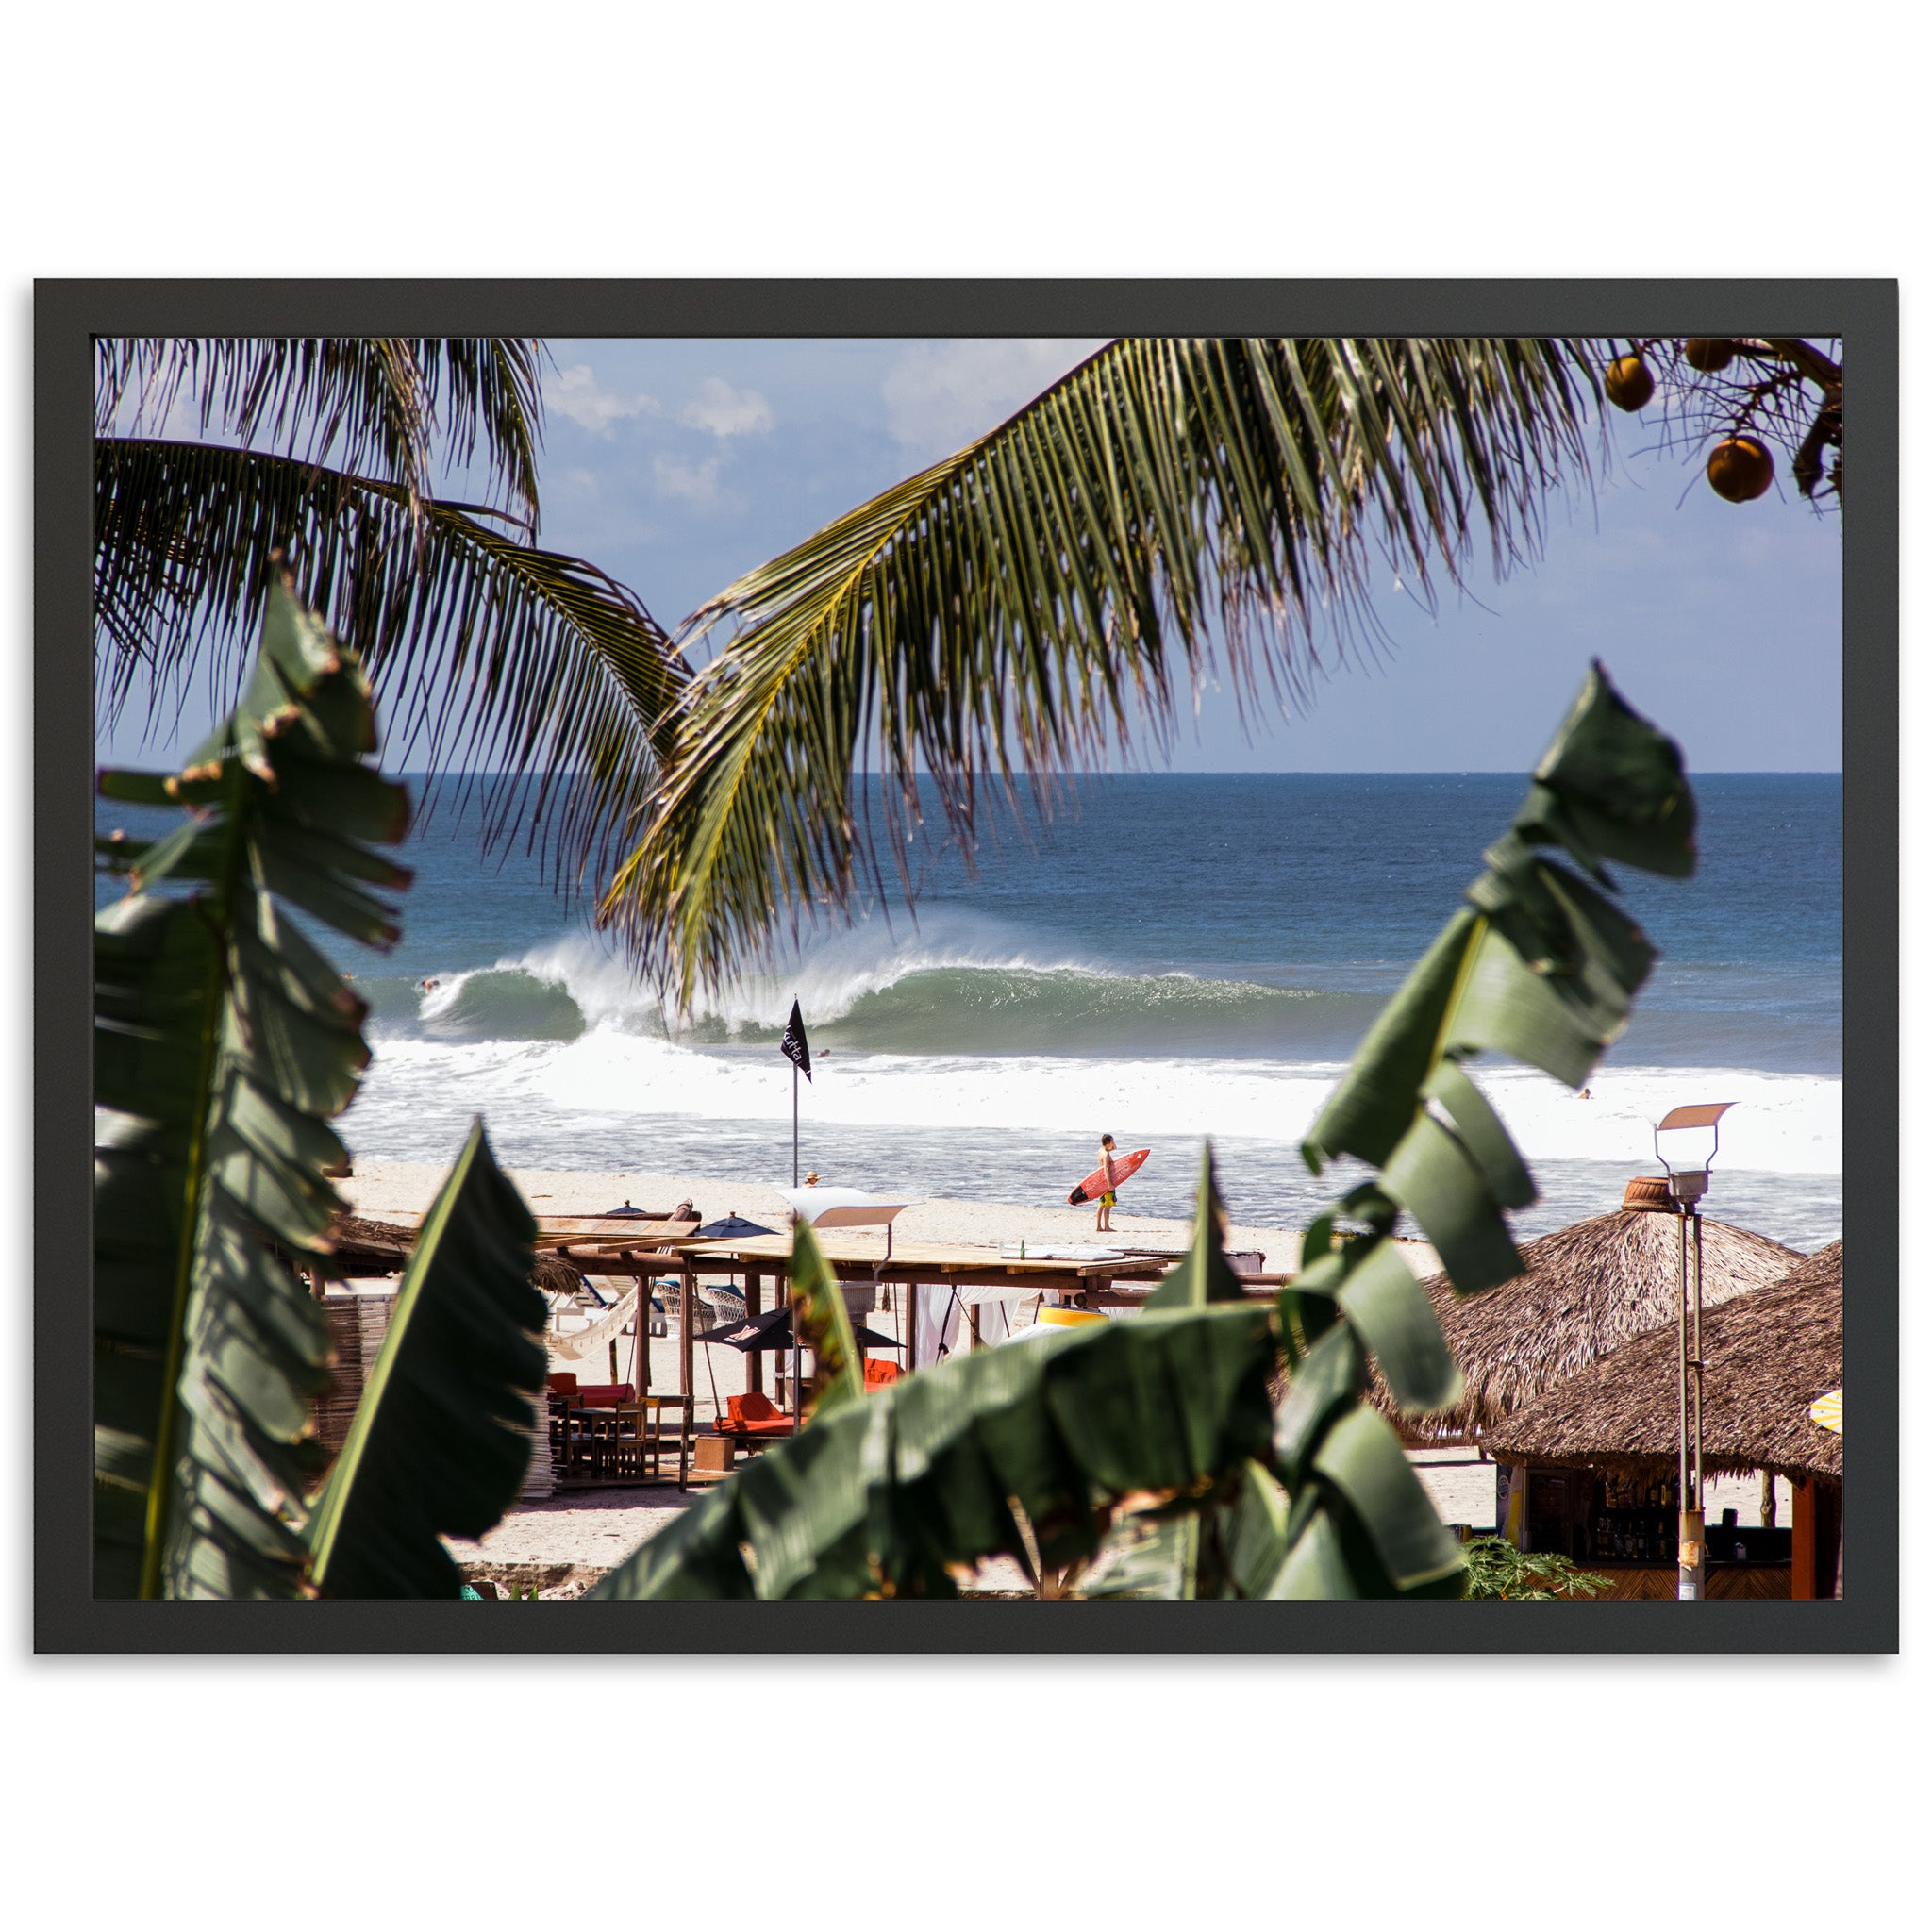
[(384, 1187)]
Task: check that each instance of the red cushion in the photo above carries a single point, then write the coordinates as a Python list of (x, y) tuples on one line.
[(603, 1394), (755, 1414), (881, 1374), (563, 1385)]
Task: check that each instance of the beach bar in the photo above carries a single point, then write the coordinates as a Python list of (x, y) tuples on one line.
[(1588, 1290), (1597, 1454)]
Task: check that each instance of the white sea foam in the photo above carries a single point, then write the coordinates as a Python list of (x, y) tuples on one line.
[(827, 979), (1783, 1122)]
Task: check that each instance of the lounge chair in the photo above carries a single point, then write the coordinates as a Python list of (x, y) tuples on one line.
[(753, 1417)]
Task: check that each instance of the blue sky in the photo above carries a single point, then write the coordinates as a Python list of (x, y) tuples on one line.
[(678, 464)]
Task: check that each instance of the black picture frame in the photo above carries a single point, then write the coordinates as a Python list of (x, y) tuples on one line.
[(69, 314)]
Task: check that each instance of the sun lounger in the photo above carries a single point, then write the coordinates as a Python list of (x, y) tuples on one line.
[(753, 1417)]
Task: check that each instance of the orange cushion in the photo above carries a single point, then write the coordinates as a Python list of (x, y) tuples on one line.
[(881, 1374)]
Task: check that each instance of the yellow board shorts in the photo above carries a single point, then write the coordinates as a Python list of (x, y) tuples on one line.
[(1108, 1200)]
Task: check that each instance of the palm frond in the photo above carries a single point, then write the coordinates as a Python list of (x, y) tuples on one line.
[(377, 403), (533, 666), (1020, 605)]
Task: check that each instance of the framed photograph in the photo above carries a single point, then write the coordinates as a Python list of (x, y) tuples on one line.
[(791, 963)]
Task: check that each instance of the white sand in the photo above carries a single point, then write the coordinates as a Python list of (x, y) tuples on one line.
[(379, 1186)]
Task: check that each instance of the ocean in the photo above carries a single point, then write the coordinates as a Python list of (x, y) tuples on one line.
[(1182, 957)]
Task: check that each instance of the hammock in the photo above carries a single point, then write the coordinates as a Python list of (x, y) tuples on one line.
[(576, 1343)]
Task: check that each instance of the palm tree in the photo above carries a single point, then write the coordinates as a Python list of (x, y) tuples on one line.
[(1019, 606), (526, 663)]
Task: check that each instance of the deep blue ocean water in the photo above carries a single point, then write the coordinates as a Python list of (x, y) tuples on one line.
[(1185, 955)]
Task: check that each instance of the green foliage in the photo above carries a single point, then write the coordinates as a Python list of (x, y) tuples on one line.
[(441, 1438), (1147, 1450), (1539, 963), (1023, 1451), (1019, 603), (533, 664), (224, 1044), (1499, 1569), (822, 1325)]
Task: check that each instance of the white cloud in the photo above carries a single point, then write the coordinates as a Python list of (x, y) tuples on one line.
[(727, 412), (697, 484), (940, 395), (574, 392)]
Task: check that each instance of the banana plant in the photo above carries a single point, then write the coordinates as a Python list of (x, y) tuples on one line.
[(225, 1044), (822, 1323), (1046, 1451), (1541, 963), (1023, 1451), (442, 1437)]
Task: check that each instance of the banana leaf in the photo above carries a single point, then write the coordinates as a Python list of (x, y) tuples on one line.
[(1021, 1452), (225, 1044), (823, 1325), (442, 1437), (1540, 963)]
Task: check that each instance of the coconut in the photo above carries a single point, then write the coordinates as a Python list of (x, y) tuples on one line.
[(1708, 354), (1628, 382), (1739, 469)]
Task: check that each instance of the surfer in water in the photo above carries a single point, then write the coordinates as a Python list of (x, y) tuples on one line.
[(1103, 1218)]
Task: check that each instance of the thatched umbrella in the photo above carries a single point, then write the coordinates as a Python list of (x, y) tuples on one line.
[(1589, 1288), (555, 1275), (1768, 1356)]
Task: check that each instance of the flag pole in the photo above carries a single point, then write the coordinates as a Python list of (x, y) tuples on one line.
[(788, 1285)]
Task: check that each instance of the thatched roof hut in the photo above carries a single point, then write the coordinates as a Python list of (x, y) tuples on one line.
[(1589, 1288), (1768, 1356)]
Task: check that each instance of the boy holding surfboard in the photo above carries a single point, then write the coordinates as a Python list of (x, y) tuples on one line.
[(1100, 1185), (1103, 1218)]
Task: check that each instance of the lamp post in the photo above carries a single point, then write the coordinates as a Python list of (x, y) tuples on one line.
[(1688, 1186)]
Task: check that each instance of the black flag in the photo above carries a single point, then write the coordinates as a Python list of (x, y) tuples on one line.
[(794, 1045)]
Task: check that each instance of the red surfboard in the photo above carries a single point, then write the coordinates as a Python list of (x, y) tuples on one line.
[(1095, 1184)]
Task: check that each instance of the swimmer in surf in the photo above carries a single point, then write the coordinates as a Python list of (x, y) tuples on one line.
[(1103, 1218)]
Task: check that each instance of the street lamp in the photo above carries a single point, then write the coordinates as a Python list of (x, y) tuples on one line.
[(1688, 1186)]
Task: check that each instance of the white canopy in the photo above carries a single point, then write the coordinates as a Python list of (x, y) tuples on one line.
[(841, 1206)]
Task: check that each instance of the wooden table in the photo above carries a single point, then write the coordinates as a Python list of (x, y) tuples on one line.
[(615, 1442)]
